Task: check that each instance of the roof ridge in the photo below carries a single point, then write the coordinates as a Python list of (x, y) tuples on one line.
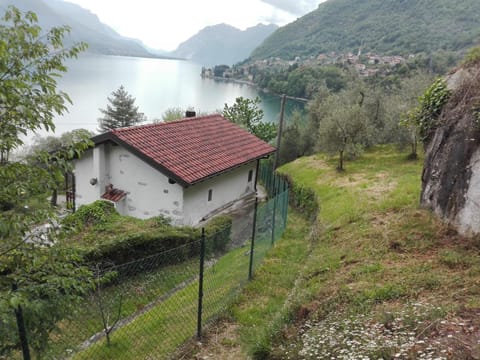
[(166, 123)]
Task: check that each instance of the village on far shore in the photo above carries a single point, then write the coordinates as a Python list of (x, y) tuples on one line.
[(366, 65)]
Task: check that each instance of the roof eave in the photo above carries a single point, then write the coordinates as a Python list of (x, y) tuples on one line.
[(263, 156)]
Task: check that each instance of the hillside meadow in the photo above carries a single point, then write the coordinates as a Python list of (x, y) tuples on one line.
[(375, 277)]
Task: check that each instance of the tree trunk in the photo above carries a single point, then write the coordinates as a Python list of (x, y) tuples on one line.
[(53, 200), (340, 161), (413, 155)]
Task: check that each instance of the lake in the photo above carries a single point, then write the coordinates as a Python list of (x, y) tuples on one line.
[(157, 85)]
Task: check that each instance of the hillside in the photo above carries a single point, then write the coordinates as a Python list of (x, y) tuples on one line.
[(85, 26), (375, 277), (223, 44), (380, 26)]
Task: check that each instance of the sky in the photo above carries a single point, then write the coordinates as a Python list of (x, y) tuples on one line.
[(164, 24)]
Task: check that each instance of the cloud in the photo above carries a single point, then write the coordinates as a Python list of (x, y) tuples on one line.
[(295, 7)]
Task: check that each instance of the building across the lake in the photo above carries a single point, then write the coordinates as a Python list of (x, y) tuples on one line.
[(183, 170)]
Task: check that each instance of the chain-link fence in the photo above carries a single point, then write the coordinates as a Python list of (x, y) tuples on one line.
[(148, 308)]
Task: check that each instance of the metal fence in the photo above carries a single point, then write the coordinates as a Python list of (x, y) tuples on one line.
[(148, 308)]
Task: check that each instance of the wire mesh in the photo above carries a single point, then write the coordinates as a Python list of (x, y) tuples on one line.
[(146, 309), (143, 307)]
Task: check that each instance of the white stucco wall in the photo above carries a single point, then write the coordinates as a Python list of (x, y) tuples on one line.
[(84, 192), (225, 189), (149, 193)]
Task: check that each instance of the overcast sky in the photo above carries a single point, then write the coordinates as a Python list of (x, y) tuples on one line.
[(164, 24)]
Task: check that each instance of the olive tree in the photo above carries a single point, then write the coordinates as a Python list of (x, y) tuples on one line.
[(344, 127)]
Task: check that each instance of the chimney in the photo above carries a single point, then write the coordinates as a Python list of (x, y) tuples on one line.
[(190, 113)]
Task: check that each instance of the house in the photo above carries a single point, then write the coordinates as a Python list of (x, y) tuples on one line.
[(183, 170)]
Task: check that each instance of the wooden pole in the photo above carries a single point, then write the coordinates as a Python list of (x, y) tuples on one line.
[(280, 131)]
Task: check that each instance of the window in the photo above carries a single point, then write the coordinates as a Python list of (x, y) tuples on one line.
[(171, 181), (250, 175), (210, 193)]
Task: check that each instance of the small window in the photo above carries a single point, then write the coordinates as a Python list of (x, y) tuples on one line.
[(250, 175), (210, 193), (171, 181)]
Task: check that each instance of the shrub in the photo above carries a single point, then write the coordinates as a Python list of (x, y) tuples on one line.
[(472, 58), (425, 115), (96, 213), (303, 198), (134, 246), (218, 233)]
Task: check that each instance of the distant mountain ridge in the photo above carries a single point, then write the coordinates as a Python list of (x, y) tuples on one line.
[(380, 26), (85, 26), (223, 44)]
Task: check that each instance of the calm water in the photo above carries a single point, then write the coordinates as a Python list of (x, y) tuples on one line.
[(156, 84)]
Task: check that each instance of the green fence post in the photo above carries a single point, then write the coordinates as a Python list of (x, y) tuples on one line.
[(275, 196), (22, 331), (252, 245), (200, 285)]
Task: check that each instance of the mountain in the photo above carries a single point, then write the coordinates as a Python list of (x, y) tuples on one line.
[(223, 44), (380, 26), (85, 26)]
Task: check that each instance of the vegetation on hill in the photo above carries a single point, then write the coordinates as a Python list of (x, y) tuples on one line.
[(384, 27), (375, 276), (362, 114), (382, 41)]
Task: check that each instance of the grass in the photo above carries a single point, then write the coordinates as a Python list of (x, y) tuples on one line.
[(266, 303), (159, 331), (382, 279), (136, 291), (378, 249)]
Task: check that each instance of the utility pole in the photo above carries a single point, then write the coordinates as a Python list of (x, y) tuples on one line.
[(280, 131)]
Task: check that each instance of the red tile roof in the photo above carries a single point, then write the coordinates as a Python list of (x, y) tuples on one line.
[(114, 195), (192, 149)]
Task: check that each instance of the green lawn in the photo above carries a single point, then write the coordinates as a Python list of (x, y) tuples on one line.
[(376, 276), (135, 293), (159, 331), (378, 254)]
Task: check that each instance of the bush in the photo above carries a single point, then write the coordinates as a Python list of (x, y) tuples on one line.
[(134, 246), (472, 58), (96, 213), (218, 232), (303, 199), (430, 106)]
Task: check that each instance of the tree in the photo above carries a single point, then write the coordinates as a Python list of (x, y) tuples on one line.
[(247, 114), (53, 143), (293, 139), (173, 114), (30, 63), (408, 95), (37, 279), (344, 128), (121, 112)]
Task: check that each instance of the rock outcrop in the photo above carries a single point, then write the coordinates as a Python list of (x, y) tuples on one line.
[(451, 174)]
